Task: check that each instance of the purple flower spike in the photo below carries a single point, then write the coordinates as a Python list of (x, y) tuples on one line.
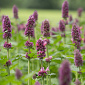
[(45, 28), (37, 83), (29, 30), (70, 18), (75, 32), (29, 44), (43, 72), (8, 63), (65, 9), (18, 74), (62, 26), (28, 57), (6, 24), (7, 45), (65, 73), (7, 35), (77, 82), (78, 58), (15, 12), (35, 14), (79, 12)]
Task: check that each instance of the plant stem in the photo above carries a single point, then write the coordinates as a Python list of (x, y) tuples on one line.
[(47, 51), (41, 63), (35, 34), (28, 61), (28, 70), (42, 80), (8, 54)]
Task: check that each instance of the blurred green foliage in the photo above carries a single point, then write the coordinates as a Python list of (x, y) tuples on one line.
[(42, 4)]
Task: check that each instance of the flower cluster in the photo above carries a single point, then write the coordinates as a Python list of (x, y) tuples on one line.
[(29, 44), (29, 30), (65, 9), (80, 12), (78, 58), (70, 18), (40, 48), (21, 27), (15, 12), (35, 14), (46, 42), (37, 83), (43, 72), (28, 57), (76, 35), (7, 45), (18, 74), (61, 26), (48, 59), (8, 63), (45, 28), (77, 82), (65, 73)]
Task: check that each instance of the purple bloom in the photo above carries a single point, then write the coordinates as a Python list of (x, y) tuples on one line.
[(42, 72), (18, 74), (21, 27), (29, 30), (41, 54), (65, 9), (6, 24), (70, 18), (77, 82), (45, 28), (34, 76), (29, 44), (15, 12), (46, 42), (40, 45), (78, 58), (75, 32), (7, 35), (35, 14), (65, 73), (37, 83), (7, 45), (79, 12), (48, 59), (8, 63), (61, 26), (28, 57)]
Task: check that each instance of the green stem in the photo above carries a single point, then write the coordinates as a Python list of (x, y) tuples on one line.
[(42, 80), (7, 53), (41, 63), (28, 71), (28, 61), (35, 34), (47, 51), (49, 73)]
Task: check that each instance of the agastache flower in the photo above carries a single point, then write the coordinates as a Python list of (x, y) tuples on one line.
[(78, 58), (28, 57), (35, 14), (45, 28), (6, 24), (43, 72), (37, 83), (48, 59), (46, 42), (77, 82), (65, 73), (62, 26), (8, 63), (15, 12), (7, 45), (65, 9), (7, 35), (29, 44), (79, 12), (18, 74), (29, 30), (70, 18)]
